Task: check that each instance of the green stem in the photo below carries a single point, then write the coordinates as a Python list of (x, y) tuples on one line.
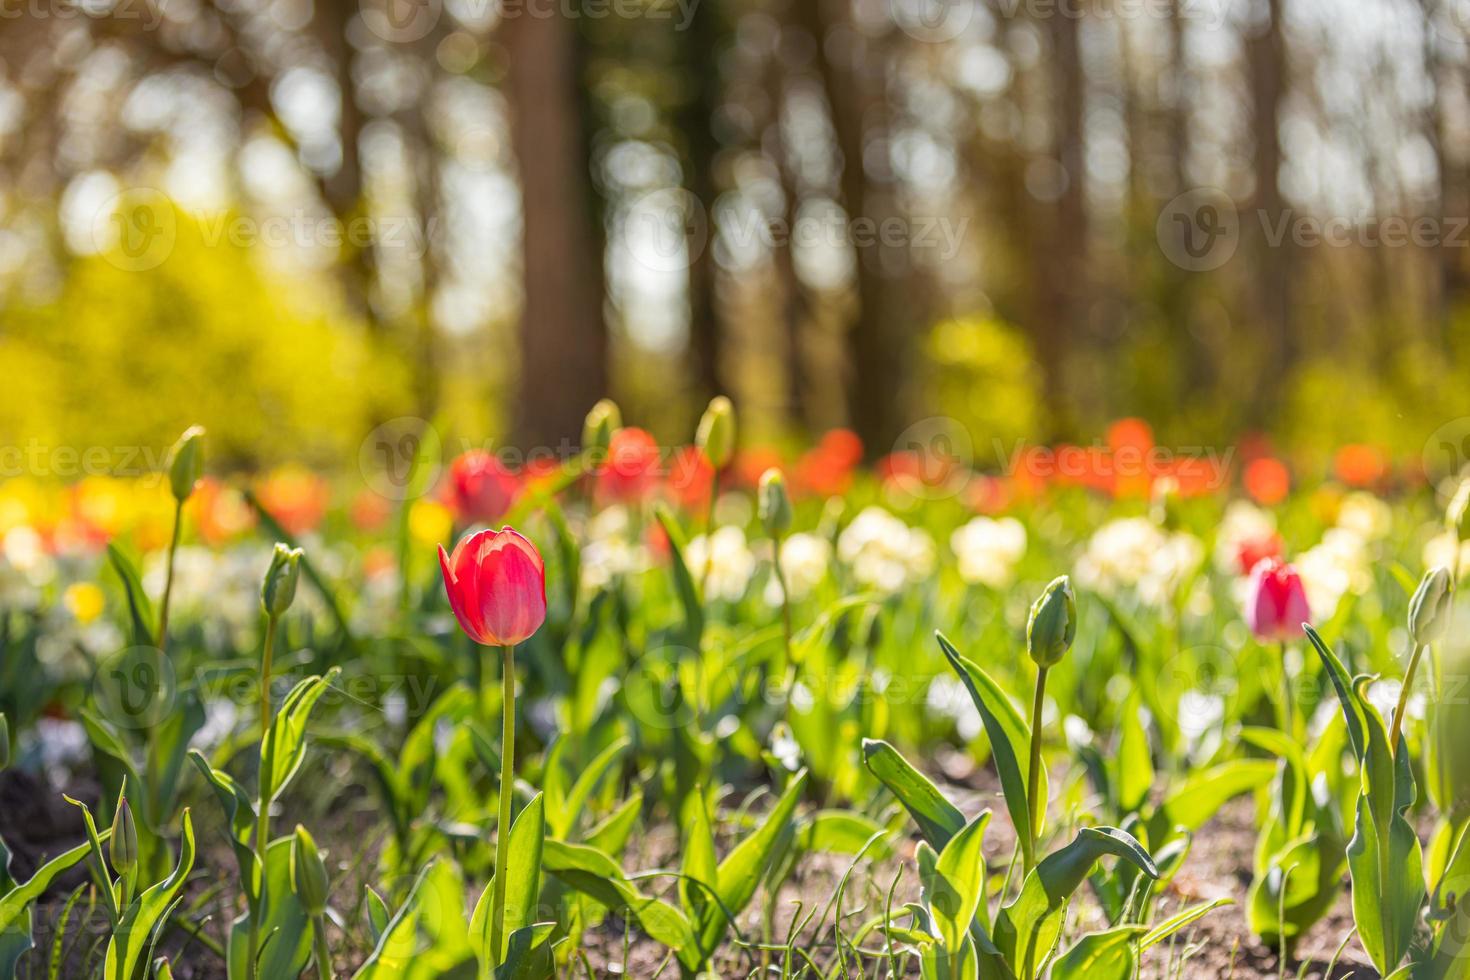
[(322, 949), (507, 785), (262, 810), (1288, 716), (1033, 779), (709, 535), (785, 603), (168, 578), (1402, 706)]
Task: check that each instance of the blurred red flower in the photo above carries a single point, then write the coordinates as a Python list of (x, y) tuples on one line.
[(480, 488), (631, 469), (1267, 481), (1359, 465)]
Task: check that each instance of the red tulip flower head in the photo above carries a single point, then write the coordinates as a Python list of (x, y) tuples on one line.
[(1276, 602), (497, 587), (480, 486)]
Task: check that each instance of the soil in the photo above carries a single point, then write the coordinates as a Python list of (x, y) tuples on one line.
[(36, 823)]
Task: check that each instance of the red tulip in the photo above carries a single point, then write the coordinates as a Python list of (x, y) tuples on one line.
[(497, 587), (1276, 603), (480, 487), (632, 466)]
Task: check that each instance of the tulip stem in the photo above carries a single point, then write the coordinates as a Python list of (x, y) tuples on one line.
[(507, 787), (262, 813), (168, 578), (322, 948), (1399, 709), (1033, 780), (1288, 720), (785, 600)]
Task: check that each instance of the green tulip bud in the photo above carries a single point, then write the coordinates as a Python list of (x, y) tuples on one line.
[(597, 431), (186, 463), (1457, 516), (279, 588), (716, 435), (4, 741), (775, 505), (1053, 623), (308, 873), (122, 847), (1429, 610)]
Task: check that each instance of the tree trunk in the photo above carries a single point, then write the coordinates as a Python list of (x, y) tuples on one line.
[(695, 119), (563, 334), (1266, 59)]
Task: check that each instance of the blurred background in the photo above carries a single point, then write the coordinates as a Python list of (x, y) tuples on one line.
[(291, 221)]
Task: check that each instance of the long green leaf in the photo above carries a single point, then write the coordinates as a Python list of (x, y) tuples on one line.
[(938, 819), (1101, 956), (959, 883), (589, 871), (1010, 744), (126, 951), (285, 744)]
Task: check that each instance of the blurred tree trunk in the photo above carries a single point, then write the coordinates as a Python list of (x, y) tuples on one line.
[(1267, 66), (563, 334), (853, 79), (701, 45), (1066, 295)]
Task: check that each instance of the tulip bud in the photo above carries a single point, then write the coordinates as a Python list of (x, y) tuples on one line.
[(1457, 516), (716, 435), (186, 463), (1053, 623), (308, 873), (1164, 507), (122, 847), (4, 741), (597, 431), (279, 589), (775, 505), (1429, 610)]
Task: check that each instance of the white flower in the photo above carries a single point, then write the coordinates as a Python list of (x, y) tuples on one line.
[(948, 697), (805, 559), (1336, 566), (988, 550), (25, 567), (1242, 524), (884, 552), (610, 552), (1135, 553), (1440, 550), (729, 560), (1365, 514)]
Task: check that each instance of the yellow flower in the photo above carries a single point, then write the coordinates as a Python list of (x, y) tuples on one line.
[(84, 600), (430, 522)]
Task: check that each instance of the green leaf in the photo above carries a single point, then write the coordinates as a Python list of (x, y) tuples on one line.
[(140, 610), (1200, 796), (378, 913), (284, 746), (285, 929), (15, 904), (938, 819), (522, 884), (1101, 956), (684, 585), (1135, 761), (1342, 683), (126, 951), (591, 872), (740, 873), (428, 937), (1180, 920), (239, 810), (527, 956), (1028, 928), (576, 801), (843, 832), (611, 835), (1010, 745), (959, 883), (701, 866)]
